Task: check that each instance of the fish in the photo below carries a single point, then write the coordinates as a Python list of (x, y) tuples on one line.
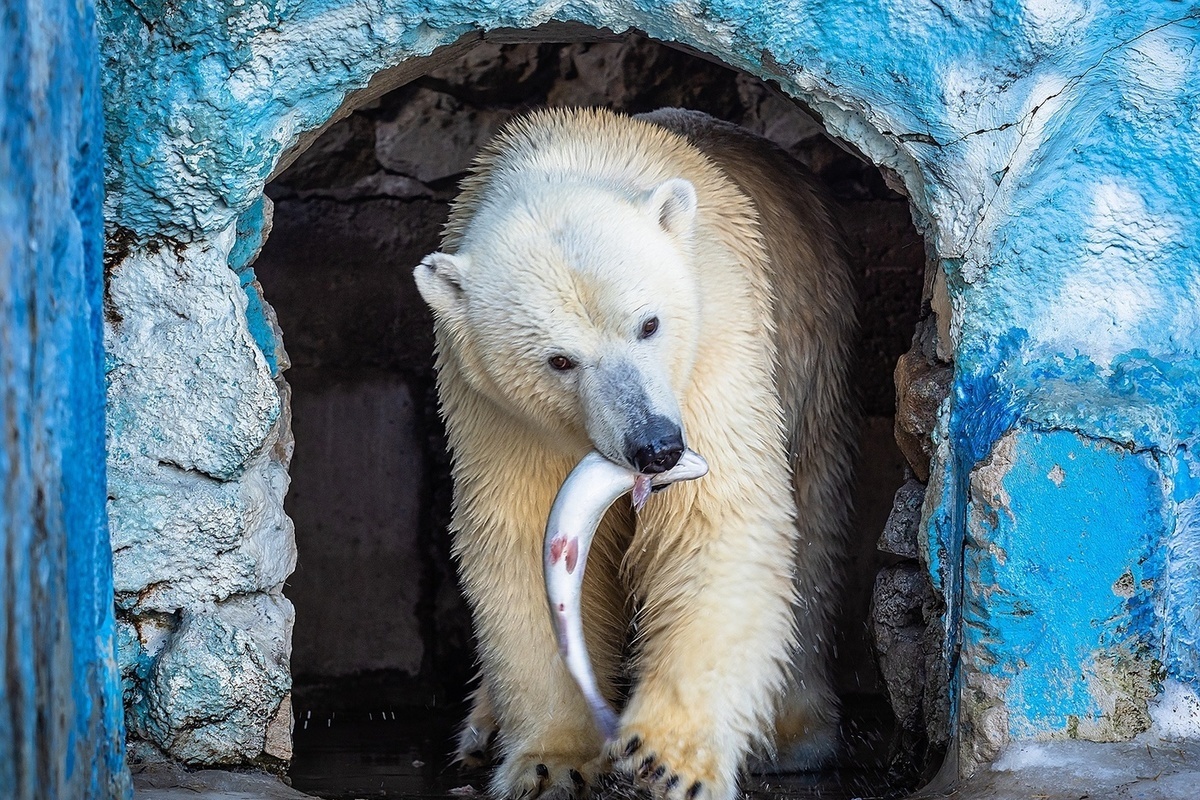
[(592, 486)]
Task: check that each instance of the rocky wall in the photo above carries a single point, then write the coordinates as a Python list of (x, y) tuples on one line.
[(198, 447)]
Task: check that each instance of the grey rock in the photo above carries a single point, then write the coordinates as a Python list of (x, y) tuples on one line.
[(166, 781), (774, 116), (434, 136), (492, 74), (218, 683), (920, 389), (339, 157), (903, 524), (900, 608)]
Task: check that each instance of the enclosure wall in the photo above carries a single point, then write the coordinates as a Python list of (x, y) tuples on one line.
[(1049, 150), (60, 706)]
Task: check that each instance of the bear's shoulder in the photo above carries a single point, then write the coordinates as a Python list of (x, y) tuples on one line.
[(627, 154)]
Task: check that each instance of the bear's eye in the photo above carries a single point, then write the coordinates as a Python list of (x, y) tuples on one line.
[(648, 328), (561, 363)]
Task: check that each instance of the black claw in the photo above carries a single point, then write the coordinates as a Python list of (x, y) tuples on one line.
[(694, 790), (542, 771), (658, 773), (644, 768), (672, 782), (576, 778), (634, 745)]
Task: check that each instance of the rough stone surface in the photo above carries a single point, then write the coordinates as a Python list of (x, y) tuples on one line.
[(172, 782), (217, 684), (921, 388), (187, 385), (198, 448), (179, 538), (901, 609), (434, 136), (903, 523)]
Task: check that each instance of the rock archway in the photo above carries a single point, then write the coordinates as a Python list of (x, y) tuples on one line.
[(1047, 151)]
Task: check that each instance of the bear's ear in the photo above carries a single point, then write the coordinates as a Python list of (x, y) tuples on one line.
[(439, 280), (674, 203)]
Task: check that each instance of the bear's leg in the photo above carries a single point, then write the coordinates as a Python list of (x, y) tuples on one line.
[(548, 743), (716, 630), (475, 738), (806, 726)]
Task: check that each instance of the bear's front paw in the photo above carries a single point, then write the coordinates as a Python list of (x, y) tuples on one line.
[(667, 772), (545, 776)]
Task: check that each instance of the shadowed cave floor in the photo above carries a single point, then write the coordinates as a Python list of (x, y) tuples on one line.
[(405, 753), (371, 754)]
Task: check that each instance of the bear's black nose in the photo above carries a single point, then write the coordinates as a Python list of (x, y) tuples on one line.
[(661, 452)]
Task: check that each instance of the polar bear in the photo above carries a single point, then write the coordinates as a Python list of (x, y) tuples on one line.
[(638, 285)]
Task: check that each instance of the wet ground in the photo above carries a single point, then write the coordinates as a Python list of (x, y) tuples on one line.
[(1144, 769), (405, 753)]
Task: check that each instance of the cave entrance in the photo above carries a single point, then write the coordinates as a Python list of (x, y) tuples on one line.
[(382, 651)]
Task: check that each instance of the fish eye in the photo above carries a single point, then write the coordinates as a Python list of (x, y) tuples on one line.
[(560, 363), (648, 328)]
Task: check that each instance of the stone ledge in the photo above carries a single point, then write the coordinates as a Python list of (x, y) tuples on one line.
[(1146, 768), (173, 782)]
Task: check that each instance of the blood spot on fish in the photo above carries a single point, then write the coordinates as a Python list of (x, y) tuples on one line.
[(562, 607), (556, 549), (572, 554)]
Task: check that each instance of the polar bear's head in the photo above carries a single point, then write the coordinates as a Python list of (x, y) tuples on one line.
[(576, 307)]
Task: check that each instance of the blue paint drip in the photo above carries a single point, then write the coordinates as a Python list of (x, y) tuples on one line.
[(248, 241)]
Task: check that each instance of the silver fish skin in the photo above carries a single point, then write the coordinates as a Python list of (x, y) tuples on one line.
[(593, 486)]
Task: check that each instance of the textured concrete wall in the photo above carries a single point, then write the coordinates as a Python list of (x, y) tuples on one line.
[(1050, 153), (197, 469), (60, 705)]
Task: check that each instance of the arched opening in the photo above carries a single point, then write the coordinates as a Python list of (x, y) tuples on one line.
[(382, 649), (1042, 153)]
